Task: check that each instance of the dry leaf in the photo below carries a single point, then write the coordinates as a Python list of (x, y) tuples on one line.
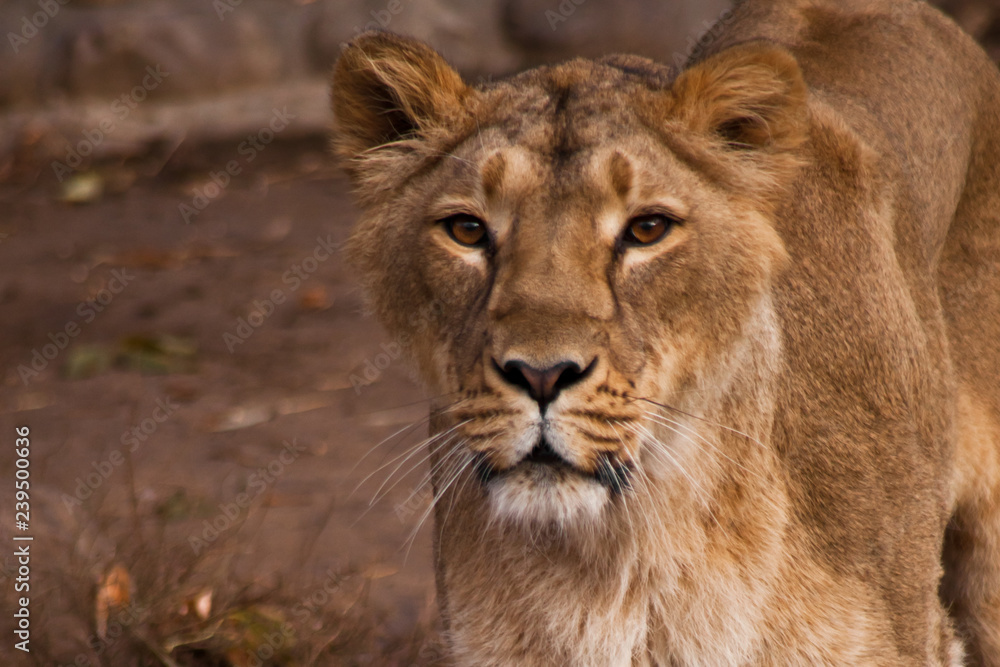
[(315, 298), (113, 594), (157, 354), (200, 605), (243, 416), (255, 631), (85, 361), (82, 188), (203, 605), (294, 405), (378, 571)]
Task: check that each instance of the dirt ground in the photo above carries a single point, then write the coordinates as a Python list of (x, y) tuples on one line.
[(203, 423)]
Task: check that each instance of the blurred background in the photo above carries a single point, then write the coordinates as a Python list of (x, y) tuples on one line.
[(205, 398)]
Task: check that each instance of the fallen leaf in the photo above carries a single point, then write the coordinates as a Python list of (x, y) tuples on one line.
[(82, 188), (158, 354), (297, 404), (86, 361), (113, 594), (378, 571), (315, 298), (203, 605), (249, 630), (243, 416), (32, 400)]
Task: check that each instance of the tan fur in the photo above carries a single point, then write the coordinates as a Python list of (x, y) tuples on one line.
[(783, 445)]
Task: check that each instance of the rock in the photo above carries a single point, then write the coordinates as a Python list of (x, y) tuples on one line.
[(111, 53), (27, 57), (467, 34), (553, 30)]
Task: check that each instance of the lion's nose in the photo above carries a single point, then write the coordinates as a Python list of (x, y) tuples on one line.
[(544, 384)]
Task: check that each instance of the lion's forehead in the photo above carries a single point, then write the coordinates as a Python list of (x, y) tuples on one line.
[(563, 109), (554, 133)]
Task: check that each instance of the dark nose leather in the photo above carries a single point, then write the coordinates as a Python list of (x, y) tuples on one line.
[(544, 384)]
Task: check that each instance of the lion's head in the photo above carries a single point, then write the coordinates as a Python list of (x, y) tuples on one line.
[(576, 257)]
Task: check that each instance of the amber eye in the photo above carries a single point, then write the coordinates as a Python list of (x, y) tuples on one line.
[(647, 229), (467, 230)]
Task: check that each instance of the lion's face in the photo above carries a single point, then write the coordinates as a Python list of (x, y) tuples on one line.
[(573, 278)]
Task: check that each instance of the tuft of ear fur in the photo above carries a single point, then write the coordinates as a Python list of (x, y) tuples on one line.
[(388, 88), (750, 97)]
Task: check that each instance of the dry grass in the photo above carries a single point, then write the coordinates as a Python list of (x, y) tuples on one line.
[(130, 591)]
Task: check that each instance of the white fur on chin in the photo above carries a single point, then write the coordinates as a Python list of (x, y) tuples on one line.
[(535, 495)]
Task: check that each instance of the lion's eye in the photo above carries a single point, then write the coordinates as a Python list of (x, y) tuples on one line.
[(647, 229), (467, 230)]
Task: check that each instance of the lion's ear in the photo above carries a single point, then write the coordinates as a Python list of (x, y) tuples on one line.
[(387, 88), (750, 96)]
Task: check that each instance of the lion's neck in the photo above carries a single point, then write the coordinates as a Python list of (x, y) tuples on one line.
[(685, 557)]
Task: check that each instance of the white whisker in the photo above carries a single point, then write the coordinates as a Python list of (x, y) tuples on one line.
[(658, 446), (707, 421), (421, 422), (379, 494), (407, 455), (624, 500), (451, 479), (674, 425)]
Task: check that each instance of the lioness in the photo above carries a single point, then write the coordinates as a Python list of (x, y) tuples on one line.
[(717, 365)]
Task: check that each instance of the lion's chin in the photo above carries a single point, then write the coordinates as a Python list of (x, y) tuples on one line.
[(541, 496)]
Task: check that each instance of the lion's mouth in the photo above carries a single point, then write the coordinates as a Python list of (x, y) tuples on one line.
[(543, 454), (609, 472)]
